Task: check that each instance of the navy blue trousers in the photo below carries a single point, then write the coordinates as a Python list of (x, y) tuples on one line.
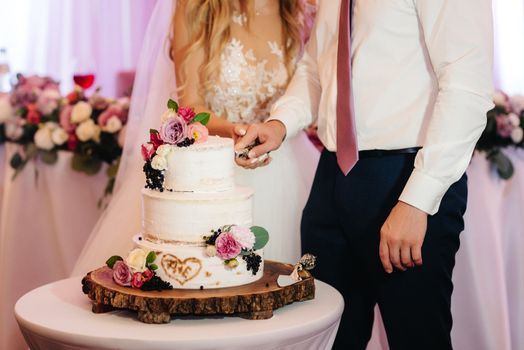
[(341, 226)]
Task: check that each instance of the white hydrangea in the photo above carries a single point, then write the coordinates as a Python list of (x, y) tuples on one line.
[(164, 150), (159, 163), (517, 135), (167, 114), (499, 98), (514, 119)]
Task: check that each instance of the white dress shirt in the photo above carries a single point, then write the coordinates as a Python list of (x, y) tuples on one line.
[(422, 76)]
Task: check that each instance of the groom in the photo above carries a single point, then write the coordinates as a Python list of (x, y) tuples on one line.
[(399, 90)]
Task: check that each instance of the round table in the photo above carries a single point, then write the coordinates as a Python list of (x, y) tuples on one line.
[(58, 316)]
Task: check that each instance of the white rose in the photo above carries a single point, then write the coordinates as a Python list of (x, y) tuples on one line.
[(59, 136), (163, 150), (514, 119), (518, 103), (136, 260), (159, 163), (87, 130), (167, 114), (13, 130), (499, 98), (51, 125), (517, 135), (48, 101), (80, 112), (113, 125), (43, 139), (6, 110)]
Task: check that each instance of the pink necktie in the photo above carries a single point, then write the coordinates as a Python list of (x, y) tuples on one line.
[(347, 149)]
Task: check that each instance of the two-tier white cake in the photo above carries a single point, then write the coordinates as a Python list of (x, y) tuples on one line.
[(198, 196)]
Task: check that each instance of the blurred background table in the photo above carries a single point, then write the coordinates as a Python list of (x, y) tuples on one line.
[(45, 221), (58, 316)]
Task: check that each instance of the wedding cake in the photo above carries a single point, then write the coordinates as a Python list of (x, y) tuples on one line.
[(197, 228)]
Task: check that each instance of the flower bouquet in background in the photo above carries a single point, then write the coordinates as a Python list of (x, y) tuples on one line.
[(43, 122), (503, 129)]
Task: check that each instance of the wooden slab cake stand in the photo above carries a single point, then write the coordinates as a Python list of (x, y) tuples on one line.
[(253, 301)]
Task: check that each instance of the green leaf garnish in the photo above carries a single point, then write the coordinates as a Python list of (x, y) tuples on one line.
[(153, 131), (261, 237), (151, 257), (153, 267), (171, 104), (202, 118), (112, 260)]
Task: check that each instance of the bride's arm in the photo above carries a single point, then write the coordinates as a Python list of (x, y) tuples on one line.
[(191, 81)]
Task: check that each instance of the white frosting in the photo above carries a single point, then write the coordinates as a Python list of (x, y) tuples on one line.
[(204, 167), (187, 217), (188, 267)]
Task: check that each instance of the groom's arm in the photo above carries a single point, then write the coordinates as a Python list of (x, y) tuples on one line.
[(296, 109)]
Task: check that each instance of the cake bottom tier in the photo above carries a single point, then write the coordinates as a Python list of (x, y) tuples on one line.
[(188, 267)]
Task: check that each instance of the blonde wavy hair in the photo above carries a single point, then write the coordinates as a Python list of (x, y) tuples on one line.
[(209, 29)]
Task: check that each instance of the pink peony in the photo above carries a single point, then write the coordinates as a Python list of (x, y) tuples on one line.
[(112, 111), (227, 246), (147, 151), (65, 119), (173, 130), (122, 275), (186, 113), (243, 236), (198, 132), (138, 280)]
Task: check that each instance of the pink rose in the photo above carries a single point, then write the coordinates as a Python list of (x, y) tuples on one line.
[(65, 119), (147, 151), (227, 246), (173, 130), (197, 132), (504, 126), (122, 274), (72, 142), (138, 280), (48, 101), (112, 111), (243, 236), (33, 117), (186, 113)]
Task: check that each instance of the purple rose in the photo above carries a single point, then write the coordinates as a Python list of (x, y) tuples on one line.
[(186, 113), (227, 246), (122, 274), (173, 130)]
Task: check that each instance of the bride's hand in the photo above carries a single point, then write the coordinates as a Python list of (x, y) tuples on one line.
[(238, 131), (270, 136)]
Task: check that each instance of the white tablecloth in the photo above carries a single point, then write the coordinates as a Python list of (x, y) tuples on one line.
[(44, 225), (58, 316), (488, 301)]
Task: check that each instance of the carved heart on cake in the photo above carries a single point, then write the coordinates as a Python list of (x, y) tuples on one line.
[(181, 271)]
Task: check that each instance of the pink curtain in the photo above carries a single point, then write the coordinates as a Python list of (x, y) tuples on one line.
[(63, 37)]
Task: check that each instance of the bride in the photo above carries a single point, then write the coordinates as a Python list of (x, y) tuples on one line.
[(232, 58)]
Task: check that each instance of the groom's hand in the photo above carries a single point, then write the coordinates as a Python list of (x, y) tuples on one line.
[(402, 236), (269, 134)]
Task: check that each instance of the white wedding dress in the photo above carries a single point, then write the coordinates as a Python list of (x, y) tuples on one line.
[(253, 76)]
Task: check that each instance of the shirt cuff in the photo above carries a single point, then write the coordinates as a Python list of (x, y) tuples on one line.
[(289, 121), (423, 192)]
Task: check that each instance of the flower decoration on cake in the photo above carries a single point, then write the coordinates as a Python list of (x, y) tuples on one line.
[(232, 242), (137, 271), (181, 127)]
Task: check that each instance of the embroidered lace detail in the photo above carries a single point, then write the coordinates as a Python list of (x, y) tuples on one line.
[(246, 87)]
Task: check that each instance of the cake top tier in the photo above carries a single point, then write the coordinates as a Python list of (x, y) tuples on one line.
[(182, 157)]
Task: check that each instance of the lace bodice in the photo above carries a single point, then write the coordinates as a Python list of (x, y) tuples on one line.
[(247, 86)]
